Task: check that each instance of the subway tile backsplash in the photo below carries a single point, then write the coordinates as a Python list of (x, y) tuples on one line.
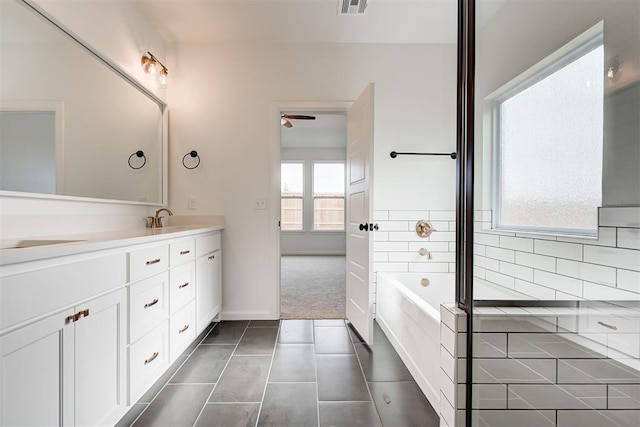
[(555, 267), (396, 245)]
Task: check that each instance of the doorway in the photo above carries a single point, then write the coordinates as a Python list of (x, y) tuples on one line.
[(312, 215)]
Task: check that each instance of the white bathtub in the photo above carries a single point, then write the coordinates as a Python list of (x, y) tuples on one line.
[(409, 315)]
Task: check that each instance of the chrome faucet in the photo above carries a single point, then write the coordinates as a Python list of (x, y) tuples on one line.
[(156, 221)]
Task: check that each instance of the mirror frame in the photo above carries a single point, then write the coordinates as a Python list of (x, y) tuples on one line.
[(120, 72)]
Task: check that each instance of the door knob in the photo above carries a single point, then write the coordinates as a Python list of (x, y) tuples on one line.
[(364, 227)]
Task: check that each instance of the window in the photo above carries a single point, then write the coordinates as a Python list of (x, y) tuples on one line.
[(328, 196), (292, 193), (548, 141)]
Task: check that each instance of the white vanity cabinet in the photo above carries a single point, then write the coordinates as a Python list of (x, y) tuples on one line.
[(85, 333), (208, 280), (67, 368)]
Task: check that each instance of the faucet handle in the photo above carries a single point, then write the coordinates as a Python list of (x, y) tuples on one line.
[(159, 221), (151, 222)]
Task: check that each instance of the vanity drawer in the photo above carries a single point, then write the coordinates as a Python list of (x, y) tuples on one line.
[(148, 359), (35, 293), (621, 333), (182, 330), (181, 252), (148, 304), (147, 262), (182, 287), (207, 244)]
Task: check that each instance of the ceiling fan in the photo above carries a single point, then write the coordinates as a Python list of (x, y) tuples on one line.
[(285, 119)]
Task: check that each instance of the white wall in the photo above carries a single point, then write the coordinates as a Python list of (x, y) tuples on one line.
[(221, 100), (310, 242), (121, 33)]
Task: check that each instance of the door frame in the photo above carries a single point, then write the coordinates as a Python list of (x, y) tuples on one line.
[(275, 110)]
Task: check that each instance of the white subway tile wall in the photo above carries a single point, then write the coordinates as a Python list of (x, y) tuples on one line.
[(396, 245), (554, 267)]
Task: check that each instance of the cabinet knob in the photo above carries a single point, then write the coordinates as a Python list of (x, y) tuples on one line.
[(212, 256), (184, 328), (153, 261), (185, 252), (184, 285)]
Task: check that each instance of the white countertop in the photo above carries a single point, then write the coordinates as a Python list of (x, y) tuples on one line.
[(88, 242)]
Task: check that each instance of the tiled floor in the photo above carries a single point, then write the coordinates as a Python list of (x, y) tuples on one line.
[(292, 373)]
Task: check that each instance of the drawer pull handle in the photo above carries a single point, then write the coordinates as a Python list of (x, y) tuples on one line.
[(184, 328), (184, 285), (151, 304), (212, 257), (152, 358), (72, 318), (153, 261), (185, 252), (77, 316), (606, 325)]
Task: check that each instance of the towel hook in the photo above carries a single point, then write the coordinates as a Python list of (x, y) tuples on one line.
[(139, 154), (193, 154)]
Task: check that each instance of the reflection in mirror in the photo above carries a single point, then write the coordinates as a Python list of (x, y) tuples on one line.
[(68, 120)]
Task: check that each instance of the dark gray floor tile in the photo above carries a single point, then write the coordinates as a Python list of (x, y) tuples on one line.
[(157, 386), (243, 380), (571, 371), (293, 363), (380, 362), (328, 322), (227, 332), (403, 404), (548, 346), (340, 378), (348, 414), (591, 418), (264, 323), (332, 340), (131, 415), (553, 396), (519, 418), (258, 341), (296, 332), (204, 365), (624, 396), (353, 334), (229, 415), (199, 339), (289, 405), (378, 336), (176, 405), (512, 370)]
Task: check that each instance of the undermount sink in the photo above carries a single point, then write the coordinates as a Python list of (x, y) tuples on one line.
[(29, 243)]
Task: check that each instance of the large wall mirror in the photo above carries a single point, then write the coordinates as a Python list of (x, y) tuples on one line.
[(70, 123)]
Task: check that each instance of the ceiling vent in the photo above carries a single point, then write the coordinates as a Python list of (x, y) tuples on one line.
[(351, 7)]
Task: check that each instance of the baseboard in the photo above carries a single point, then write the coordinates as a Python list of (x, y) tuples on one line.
[(311, 253), (248, 315)]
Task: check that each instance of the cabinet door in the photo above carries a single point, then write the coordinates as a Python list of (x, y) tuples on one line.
[(208, 289), (37, 373), (100, 360)]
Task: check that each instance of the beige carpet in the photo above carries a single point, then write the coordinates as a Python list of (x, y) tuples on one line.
[(312, 287)]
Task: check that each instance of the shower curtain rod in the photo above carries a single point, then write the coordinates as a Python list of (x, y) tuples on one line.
[(395, 154)]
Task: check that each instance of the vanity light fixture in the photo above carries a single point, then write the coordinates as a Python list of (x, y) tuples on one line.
[(152, 66)]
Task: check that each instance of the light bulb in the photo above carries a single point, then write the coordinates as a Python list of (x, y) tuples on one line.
[(163, 77)]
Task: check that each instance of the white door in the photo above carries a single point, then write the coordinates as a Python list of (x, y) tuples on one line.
[(359, 212)]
